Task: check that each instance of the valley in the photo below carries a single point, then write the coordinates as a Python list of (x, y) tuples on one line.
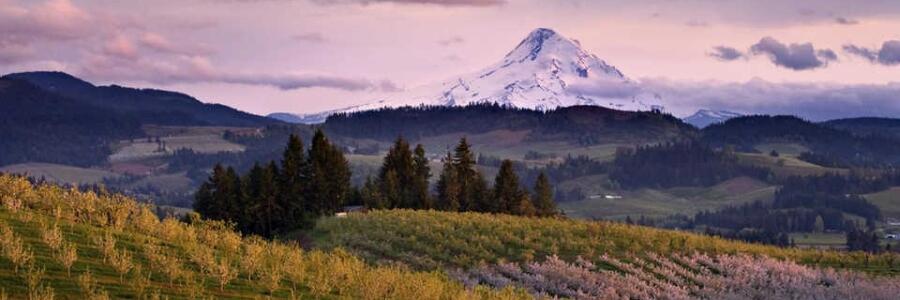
[(546, 174)]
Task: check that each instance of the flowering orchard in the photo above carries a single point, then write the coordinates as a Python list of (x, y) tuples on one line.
[(60, 243)]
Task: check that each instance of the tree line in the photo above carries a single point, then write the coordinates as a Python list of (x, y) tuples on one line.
[(274, 198), (683, 163), (403, 182)]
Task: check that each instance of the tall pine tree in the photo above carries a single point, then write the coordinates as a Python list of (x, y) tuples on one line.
[(420, 189), (543, 197), (448, 187), (292, 182), (219, 198), (265, 214), (329, 176), (507, 191), (398, 163), (472, 185)]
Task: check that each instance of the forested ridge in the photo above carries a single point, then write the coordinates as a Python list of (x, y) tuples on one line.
[(584, 125)]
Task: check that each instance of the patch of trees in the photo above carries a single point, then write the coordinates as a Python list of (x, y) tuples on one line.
[(755, 236), (863, 240), (402, 182), (830, 146), (274, 198), (805, 204), (684, 163), (586, 125)]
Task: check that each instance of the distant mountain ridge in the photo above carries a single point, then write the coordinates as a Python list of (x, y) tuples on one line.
[(55, 117), (544, 71), (147, 106)]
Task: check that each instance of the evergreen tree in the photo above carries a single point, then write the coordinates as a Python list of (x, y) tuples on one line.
[(543, 197), (467, 176), (420, 181), (264, 212), (507, 191), (448, 187), (398, 163), (203, 198), (371, 195), (524, 206), (292, 182), (219, 197), (329, 176)]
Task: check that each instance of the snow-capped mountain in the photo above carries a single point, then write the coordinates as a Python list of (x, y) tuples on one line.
[(545, 71), (706, 117)]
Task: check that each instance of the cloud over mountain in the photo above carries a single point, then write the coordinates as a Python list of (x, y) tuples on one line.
[(888, 55), (726, 53), (809, 100), (793, 56)]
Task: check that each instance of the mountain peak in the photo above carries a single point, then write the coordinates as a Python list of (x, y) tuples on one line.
[(546, 70), (705, 117), (52, 80), (530, 47)]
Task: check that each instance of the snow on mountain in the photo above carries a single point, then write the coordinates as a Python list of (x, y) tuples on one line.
[(706, 117), (545, 71)]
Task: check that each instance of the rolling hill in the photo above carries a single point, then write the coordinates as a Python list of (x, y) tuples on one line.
[(53, 117), (61, 243)]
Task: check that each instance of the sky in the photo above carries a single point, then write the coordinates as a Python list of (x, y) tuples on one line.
[(832, 58)]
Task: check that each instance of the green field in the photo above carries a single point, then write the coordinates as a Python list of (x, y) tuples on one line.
[(820, 240), (784, 166), (783, 149), (888, 201), (659, 203)]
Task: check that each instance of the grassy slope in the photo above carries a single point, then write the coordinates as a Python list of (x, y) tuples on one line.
[(428, 239), (657, 203), (888, 201), (284, 270), (786, 165)]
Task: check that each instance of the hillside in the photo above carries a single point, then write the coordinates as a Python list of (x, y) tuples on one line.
[(826, 146), (62, 243), (36, 125), (146, 106), (58, 243), (53, 117), (586, 260), (868, 126)]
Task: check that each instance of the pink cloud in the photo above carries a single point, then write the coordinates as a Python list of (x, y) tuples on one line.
[(120, 47), (198, 69), (159, 43)]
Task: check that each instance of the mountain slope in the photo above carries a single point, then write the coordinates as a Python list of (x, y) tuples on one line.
[(36, 125), (147, 106), (545, 71), (827, 146), (885, 127), (54, 117), (706, 117)]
